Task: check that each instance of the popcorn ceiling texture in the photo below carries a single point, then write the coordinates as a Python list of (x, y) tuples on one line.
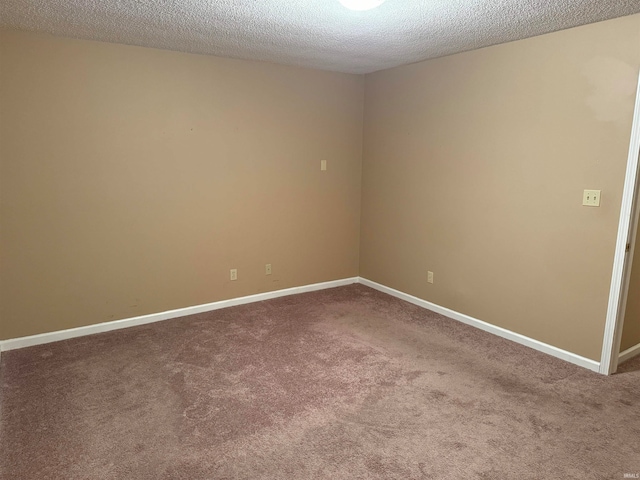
[(312, 33)]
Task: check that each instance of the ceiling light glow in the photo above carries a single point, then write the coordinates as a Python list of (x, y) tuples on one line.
[(361, 5)]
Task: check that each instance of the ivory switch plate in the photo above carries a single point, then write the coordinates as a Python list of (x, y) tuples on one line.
[(591, 198)]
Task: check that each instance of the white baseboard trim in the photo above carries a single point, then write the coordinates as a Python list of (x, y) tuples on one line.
[(22, 342), (32, 340), (629, 353), (487, 327)]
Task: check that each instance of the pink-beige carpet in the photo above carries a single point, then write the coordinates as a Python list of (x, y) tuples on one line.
[(346, 383)]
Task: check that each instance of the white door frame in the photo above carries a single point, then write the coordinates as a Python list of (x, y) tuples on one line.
[(627, 231)]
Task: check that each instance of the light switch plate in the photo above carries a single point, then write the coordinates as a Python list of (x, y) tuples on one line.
[(591, 198)]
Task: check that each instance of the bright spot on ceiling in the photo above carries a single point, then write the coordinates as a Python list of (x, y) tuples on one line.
[(361, 5)]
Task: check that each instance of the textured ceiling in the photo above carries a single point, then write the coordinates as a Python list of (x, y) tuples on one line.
[(313, 33)]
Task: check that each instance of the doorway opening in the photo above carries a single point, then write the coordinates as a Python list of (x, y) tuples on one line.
[(625, 248)]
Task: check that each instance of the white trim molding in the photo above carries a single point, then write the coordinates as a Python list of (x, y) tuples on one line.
[(620, 274), (49, 337), (629, 353), (43, 338), (487, 327)]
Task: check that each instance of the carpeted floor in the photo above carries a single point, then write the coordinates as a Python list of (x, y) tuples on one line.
[(346, 383)]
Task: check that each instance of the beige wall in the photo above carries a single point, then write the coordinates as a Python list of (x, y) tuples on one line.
[(631, 328), (133, 179), (474, 167)]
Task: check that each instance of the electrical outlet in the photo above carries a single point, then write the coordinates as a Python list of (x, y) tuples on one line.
[(430, 277), (323, 165), (267, 269), (591, 198), (233, 274)]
